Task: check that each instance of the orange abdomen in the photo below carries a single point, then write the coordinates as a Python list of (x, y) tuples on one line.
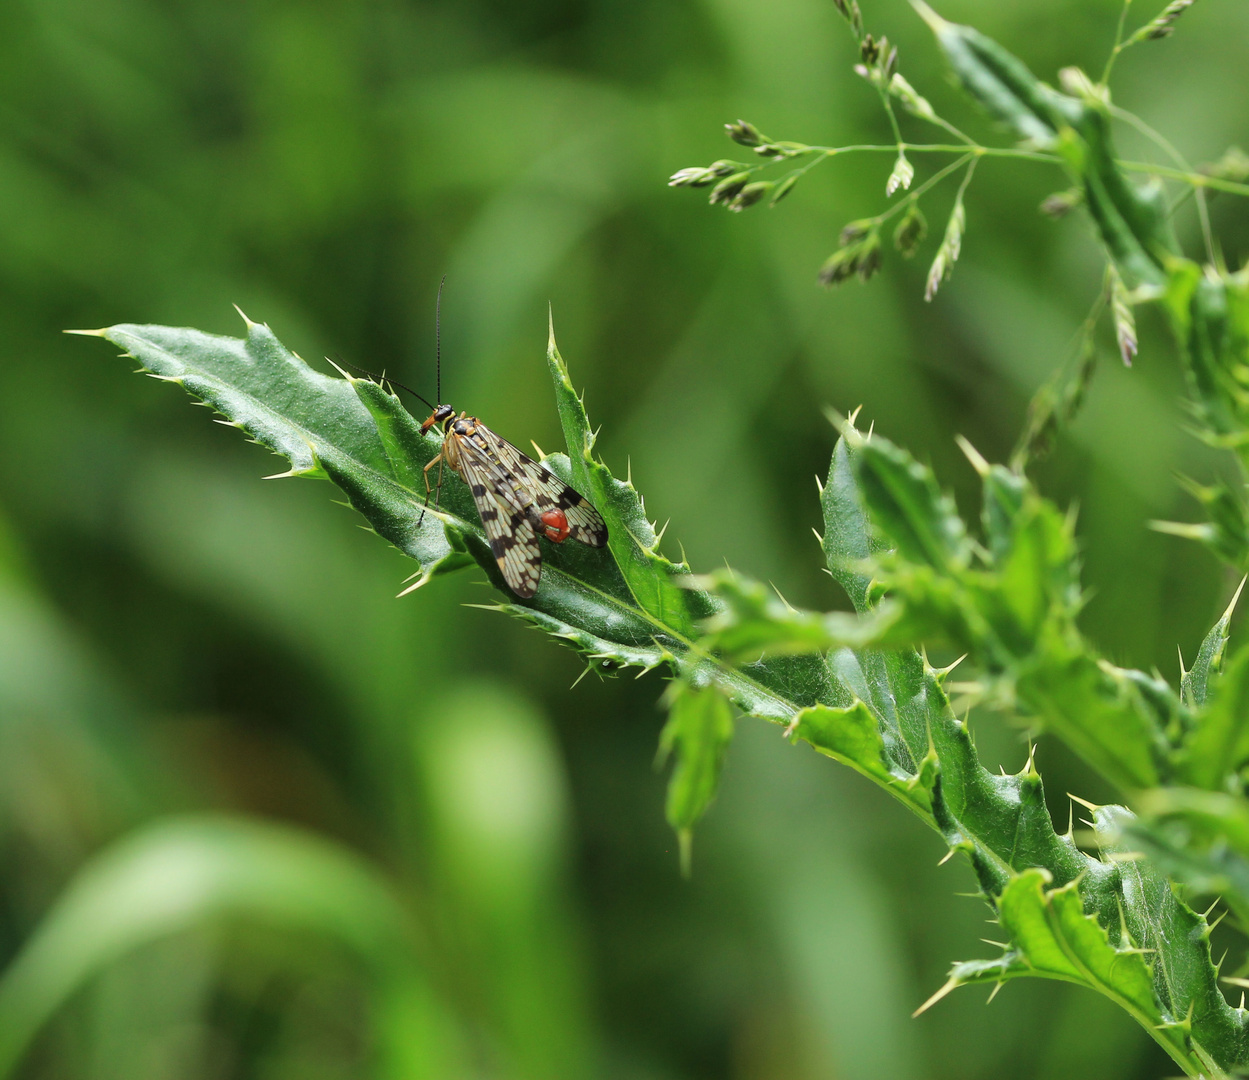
[(555, 524)]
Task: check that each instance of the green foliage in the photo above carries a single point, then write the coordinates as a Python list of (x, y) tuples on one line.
[(857, 688), (238, 870), (698, 733), (1009, 601)]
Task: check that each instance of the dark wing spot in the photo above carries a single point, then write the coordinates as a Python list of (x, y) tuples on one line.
[(489, 515), (479, 490)]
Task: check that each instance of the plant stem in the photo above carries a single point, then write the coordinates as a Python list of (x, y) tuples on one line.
[(1203, 213), (1118, 46), (1200, 180)]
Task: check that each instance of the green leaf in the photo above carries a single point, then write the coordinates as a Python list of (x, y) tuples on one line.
[(1195, 683), (652, 580), (1058, 940), (1015, 613), (999, 82), (190, 872), (1199, 837), (1209, 316), (1102, 712), (905, 502), (358, 435), (1052, 936), (756, 622), (1132, 222), (852, 735), (698, 733), (318, 423), (847, 539), (1186, 981), (891, 721), (1218, 743)]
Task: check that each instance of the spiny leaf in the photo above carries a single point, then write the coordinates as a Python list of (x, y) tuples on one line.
[(1195, 683), (651, 579), (1017, 616), (1186, 981), (852, 735), (359, 435), (847, 539), (1051, 936), (622, 606), (1200, 837), (908, 505), (318, 423), (1218, 743)]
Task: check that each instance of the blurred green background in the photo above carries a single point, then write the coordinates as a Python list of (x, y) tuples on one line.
[(258, 818)]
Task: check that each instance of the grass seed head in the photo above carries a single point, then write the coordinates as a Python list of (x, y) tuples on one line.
[(750, 194), (910, 231), (783, 189), (745, 133), (728, 188), (1061, 203)]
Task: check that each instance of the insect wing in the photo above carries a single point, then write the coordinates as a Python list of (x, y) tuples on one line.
[(508, 528), (548, 491), (585, 524)]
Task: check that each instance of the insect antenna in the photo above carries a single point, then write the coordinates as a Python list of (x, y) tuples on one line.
[(438, 339), (384, 379), (438, 391)]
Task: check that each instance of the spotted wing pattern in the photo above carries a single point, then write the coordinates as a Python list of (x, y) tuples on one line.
[(547, 490), (508, 526)]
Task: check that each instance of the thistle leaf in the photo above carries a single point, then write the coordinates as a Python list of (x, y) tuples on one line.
[(1196, 682), (1218, 743), (908, 506), (359, 435), (652, 580), (1200, 837), (622, 606)]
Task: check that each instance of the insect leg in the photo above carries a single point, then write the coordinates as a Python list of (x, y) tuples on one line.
[(428, 492)]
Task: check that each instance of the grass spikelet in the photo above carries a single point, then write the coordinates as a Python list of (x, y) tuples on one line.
[(902, 175), (1125, 321), (1164, 25), (948, 252)]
